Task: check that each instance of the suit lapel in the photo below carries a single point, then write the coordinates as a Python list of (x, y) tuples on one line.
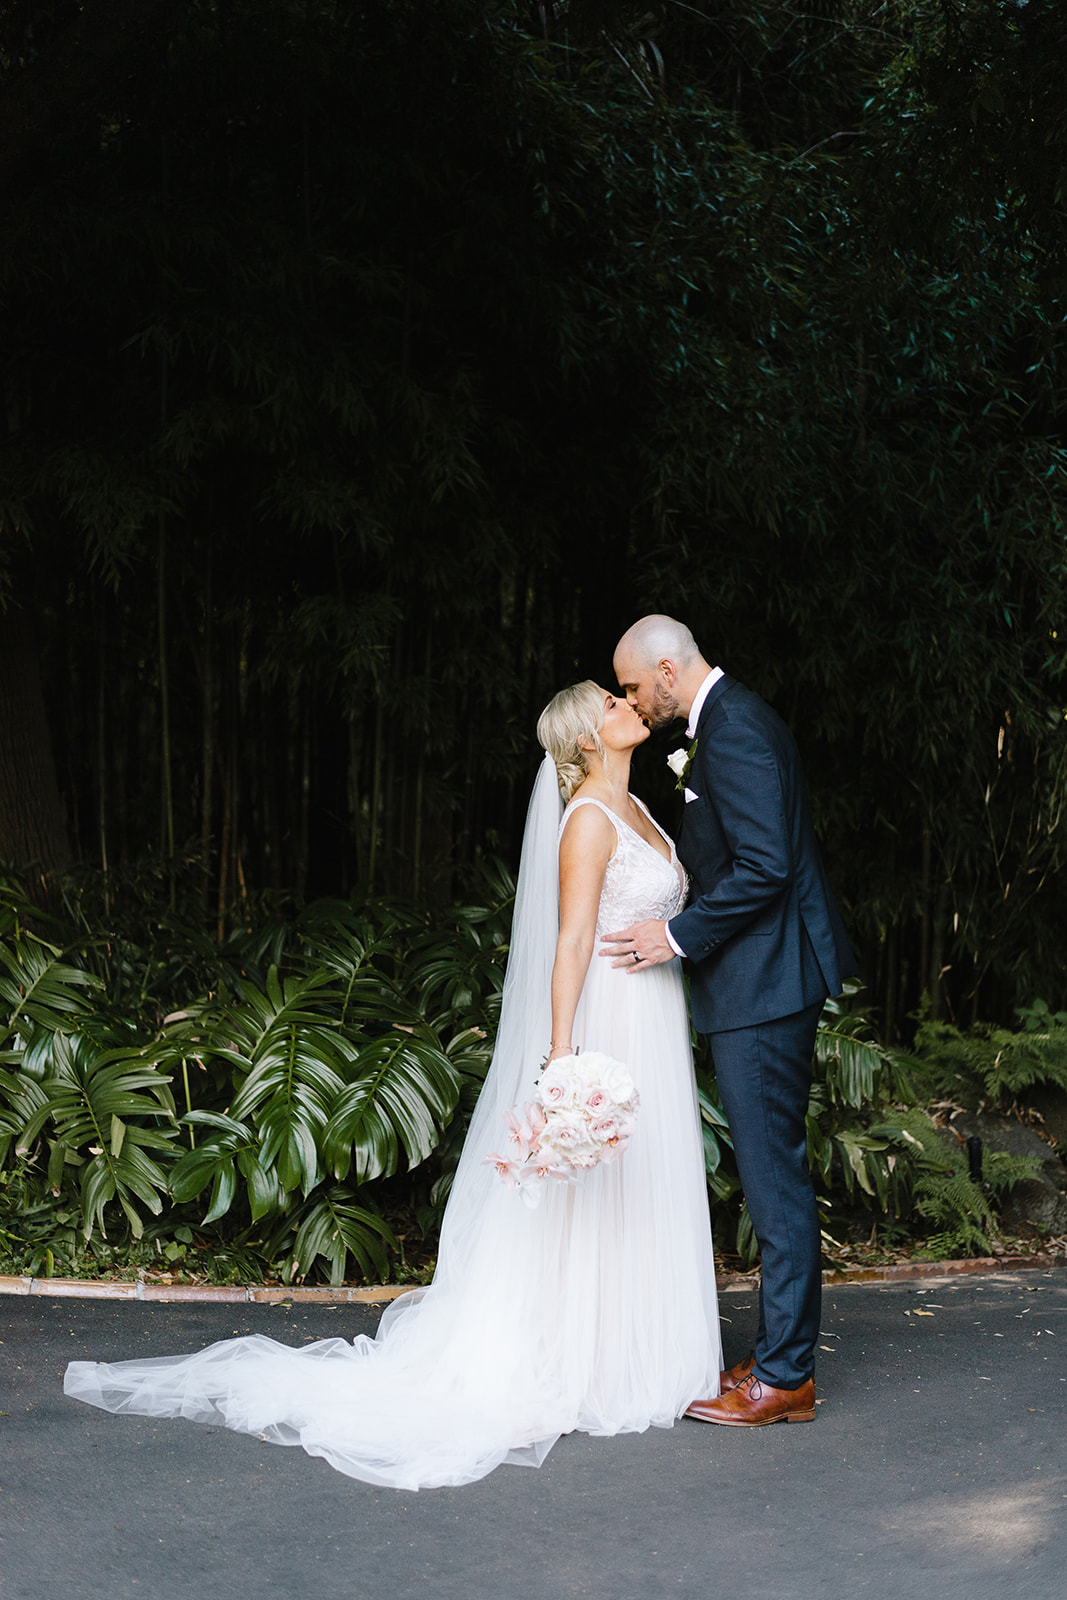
[(717, 690), (715, 693)]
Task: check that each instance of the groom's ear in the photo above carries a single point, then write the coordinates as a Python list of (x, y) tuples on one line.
[(669, 671)]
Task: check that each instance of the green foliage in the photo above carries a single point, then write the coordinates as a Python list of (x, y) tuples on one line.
[(958, 1213), (104, 1128), (871, 1149), (71, 1083), (346, 1060), (407, 352), (988, 1064), (438, 340), (336, 1229), (345, 1047)]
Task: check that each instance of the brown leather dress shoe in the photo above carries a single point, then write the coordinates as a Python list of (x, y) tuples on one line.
[(729, 1379), (734, 1375), (754, 1404)]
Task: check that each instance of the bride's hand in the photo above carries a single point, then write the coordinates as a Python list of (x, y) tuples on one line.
[(559, 1050)]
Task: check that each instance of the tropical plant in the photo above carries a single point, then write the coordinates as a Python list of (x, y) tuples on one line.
[(994, 1065), (957, 1212), (343, 1061), (72, 1080), (871, 1150)]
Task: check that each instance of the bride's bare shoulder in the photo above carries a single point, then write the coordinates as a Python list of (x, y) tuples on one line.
[(587, 824)]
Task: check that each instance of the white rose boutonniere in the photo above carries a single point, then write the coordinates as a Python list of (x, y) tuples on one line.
[(680, 762)]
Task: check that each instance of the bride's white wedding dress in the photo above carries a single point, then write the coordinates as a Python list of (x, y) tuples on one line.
[(595, 1311)]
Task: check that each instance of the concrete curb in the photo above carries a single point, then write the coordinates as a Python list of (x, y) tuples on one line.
[(90, 1289)]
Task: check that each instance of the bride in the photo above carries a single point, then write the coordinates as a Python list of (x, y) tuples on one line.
[(596, 1310)]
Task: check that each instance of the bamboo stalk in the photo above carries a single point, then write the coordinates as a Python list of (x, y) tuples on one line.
[(224, 848), (164, 701), (101, 758), (208, 732), (376, 794), (304, 833), (420, 771), (161, 615)]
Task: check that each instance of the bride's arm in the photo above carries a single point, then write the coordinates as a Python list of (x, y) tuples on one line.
[(587, 845)]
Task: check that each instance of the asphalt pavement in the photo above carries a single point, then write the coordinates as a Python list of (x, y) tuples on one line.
[(936, 1467)]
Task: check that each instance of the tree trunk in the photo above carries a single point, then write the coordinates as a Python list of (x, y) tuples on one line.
[(33, 827)]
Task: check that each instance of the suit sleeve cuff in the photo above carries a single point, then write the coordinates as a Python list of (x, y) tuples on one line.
[(671, 940)]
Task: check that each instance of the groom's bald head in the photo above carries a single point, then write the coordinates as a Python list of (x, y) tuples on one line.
[(655, 639), (660, 668)]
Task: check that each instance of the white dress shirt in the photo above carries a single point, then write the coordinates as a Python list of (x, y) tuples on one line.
[(690, 732)]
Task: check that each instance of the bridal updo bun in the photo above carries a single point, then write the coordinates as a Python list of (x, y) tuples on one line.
[(574, 714)]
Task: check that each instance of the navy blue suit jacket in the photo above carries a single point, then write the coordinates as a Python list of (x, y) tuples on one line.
[(761, 931)]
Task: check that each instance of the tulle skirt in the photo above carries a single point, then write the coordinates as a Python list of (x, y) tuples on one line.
[(595, 1311)]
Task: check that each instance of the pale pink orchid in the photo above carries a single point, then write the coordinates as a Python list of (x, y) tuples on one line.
[(524, 1129), (506, 1170)]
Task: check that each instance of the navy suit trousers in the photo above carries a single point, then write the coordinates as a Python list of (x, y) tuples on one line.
[(764, 1078)]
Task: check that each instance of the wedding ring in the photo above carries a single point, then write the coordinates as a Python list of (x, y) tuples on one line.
[(636, 957)]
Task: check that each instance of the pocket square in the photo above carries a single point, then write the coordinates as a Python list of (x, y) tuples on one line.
[(689, 795)]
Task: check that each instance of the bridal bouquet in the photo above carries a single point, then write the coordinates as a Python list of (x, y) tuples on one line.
[(583, 1114)]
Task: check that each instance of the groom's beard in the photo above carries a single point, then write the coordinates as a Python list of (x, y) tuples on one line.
[(665, 708)]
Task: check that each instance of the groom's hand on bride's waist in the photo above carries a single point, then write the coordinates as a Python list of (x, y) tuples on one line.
[(646, 941)]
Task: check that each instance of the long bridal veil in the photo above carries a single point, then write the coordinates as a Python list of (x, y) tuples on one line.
[(437, 1396), (594, 1311)]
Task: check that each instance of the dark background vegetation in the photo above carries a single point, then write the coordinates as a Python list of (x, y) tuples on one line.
[(366, 368)]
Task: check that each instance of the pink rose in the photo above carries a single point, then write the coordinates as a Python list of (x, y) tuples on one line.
[(557, 1089)]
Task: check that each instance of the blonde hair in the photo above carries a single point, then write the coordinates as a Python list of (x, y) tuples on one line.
[(575, 713)]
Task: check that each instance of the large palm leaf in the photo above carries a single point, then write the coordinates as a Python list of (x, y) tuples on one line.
[(401, 1093), (335, 1227), (38, 990), (104, 1127), (287, 1058), (230, 1152), (331, 1068), (458, 971)]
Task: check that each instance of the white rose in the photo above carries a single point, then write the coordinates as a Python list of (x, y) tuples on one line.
[(587, 1067), (595, 1063), (677, 762), (616, 1082)]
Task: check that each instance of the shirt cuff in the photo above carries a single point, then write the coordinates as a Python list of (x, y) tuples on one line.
[(671, 940)]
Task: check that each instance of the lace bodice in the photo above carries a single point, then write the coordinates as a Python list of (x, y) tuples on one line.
[(639, 882)]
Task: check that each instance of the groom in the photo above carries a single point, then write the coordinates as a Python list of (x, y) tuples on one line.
[(766, 945)]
